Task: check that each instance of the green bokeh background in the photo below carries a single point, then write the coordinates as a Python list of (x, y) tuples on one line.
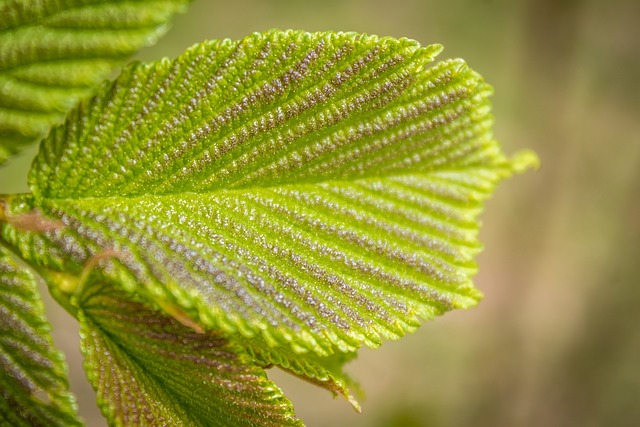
[(556, 342)]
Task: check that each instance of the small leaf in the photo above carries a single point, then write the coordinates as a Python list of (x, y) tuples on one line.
[(34, 390), (315, 190), (53, 53), (324, 372), (150, 370)]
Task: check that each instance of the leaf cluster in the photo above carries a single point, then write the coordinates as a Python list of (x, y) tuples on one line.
[(276, 201)]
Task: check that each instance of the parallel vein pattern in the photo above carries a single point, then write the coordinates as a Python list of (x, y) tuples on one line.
[(269, 110), (149, 370), (320, 190), (53, 53), (34, 390)]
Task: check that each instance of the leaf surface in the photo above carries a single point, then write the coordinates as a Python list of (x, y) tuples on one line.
[(53, 53), (325, 372), (319, 190), (150, 370), (34, 389)]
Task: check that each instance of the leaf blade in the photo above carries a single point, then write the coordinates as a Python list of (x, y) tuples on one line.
[(331, 201), (33, 379), (53, 54), (158, 371)]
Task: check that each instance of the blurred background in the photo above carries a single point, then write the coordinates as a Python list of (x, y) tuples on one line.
[(556, 342)]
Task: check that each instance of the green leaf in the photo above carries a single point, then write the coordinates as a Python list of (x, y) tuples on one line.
[(148, 369), (317, 190), (324, 372), (53, 53), (34, 390)]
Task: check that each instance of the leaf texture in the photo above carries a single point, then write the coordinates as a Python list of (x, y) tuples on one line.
[(150, 370), (318, 190), (34, 390), (53, 53)]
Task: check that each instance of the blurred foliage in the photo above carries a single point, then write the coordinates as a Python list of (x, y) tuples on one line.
[(556, 340)]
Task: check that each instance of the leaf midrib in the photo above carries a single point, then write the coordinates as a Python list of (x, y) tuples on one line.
[(256, 187)]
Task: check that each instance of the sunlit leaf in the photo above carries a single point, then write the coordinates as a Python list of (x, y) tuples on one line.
[(149, 370), (34, 390), (316, 190), (52, 53)]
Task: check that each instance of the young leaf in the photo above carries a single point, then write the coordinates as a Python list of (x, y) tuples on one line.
[(150, 370), (53, 53), (320, 190), (324, 372), (34, 390)]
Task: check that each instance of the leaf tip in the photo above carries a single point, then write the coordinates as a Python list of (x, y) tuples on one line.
[(524, 160), (354, 404)]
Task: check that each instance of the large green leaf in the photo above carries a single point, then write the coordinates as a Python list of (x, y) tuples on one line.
[(320, 190), (34, 390), (53, 53), (149, 370)]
